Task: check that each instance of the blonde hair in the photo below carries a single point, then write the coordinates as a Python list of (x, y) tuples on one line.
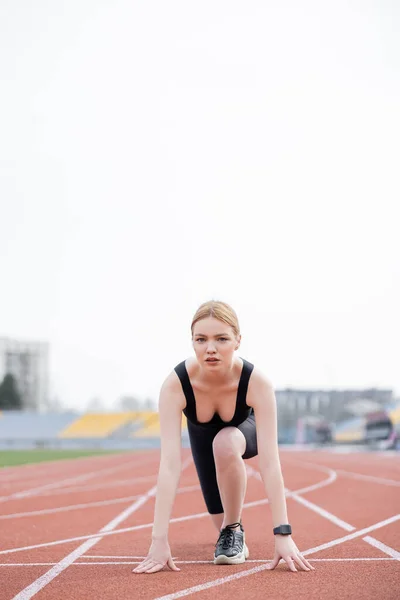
[(219, 310)]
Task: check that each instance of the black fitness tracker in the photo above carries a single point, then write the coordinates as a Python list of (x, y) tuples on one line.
[(282, 530)]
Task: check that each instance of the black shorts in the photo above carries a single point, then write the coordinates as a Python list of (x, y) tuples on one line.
[(201, 440)]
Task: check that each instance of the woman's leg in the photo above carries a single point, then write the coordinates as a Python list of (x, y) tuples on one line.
[(229, 445), (201, 440), (218, 519)]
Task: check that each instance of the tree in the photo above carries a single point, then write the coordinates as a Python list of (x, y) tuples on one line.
[(150, 404), (95, 405), (128, 403), (10, 398)]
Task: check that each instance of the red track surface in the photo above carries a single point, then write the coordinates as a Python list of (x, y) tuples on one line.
[(338, 495)]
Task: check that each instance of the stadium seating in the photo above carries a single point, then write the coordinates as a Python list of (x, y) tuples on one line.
[(27, 425), (23, 425), (151, 425), (350, 431), (98, 425)]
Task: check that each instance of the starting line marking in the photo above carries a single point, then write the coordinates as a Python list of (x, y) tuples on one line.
[(192, 562)]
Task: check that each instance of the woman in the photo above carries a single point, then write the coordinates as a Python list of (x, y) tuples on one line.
[(231, 414)]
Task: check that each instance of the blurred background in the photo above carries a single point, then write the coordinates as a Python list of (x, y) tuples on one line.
[(157, 155)]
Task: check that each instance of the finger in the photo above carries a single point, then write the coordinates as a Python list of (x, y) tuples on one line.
[(309, 565), (301, 562), (136, 569), (290, 564), (172, 565), (140, 565), (144, 566), (274, 562), (157, 567)]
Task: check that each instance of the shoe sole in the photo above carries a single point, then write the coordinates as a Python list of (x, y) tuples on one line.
[(222, 559)]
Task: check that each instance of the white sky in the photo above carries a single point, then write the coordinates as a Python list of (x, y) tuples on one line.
[(157, 154)]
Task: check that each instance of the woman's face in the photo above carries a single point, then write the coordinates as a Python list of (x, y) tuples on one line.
[(214, 342)]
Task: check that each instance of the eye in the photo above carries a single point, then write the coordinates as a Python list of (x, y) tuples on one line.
[(199, 339), (224, 339)]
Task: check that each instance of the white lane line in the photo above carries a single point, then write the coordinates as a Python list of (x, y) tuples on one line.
[(314, 507), (46, 578), (134, 461), (317, 486), (352, 536), (211, 584), (37, 478), (383, 547), (129, 529), (114, 557), (195, 562), (322, 512), (98, 486), (310, 488), (267, 560), (68, 560), (223, 580), (57, 484), (37, 469), (252, 504), (211, 562), (350, 474), (373, 479), (95, 535), (174, 520), (326, 514), (49, 511)]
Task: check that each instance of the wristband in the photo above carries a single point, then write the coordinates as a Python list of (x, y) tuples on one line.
[(282, 530)]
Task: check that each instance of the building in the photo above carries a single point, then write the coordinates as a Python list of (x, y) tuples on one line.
[(333, 405), (28, 363), (310, 415)]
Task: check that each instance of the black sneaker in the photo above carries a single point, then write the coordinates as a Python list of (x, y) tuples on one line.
[(231, 548)]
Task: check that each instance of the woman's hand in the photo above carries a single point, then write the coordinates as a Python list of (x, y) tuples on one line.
[(159, 555), (286, 548)]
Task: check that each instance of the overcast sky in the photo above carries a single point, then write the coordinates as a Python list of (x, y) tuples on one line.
[(155, 155)]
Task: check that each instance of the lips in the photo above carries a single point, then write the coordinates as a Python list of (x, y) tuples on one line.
[(212, 360)]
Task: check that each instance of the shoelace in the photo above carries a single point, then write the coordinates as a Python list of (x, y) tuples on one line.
[(228, 535)]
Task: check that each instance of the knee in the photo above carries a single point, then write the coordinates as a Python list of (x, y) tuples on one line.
[(229, 443)]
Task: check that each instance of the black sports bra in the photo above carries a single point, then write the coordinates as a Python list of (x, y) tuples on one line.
[(242, 410)]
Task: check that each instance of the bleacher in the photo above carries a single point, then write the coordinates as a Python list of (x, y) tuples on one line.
[(18, 425), (151, 425), (98, 425), (129, 429)]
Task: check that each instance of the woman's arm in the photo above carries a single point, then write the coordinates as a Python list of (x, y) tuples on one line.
[(262, 399), (170, 412), (170, 407), (264, 404)]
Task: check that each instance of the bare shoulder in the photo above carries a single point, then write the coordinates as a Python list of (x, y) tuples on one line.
[(259, 379), (260, 388), (171, 391)]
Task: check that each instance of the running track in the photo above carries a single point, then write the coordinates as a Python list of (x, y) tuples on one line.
[(74, 530)]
